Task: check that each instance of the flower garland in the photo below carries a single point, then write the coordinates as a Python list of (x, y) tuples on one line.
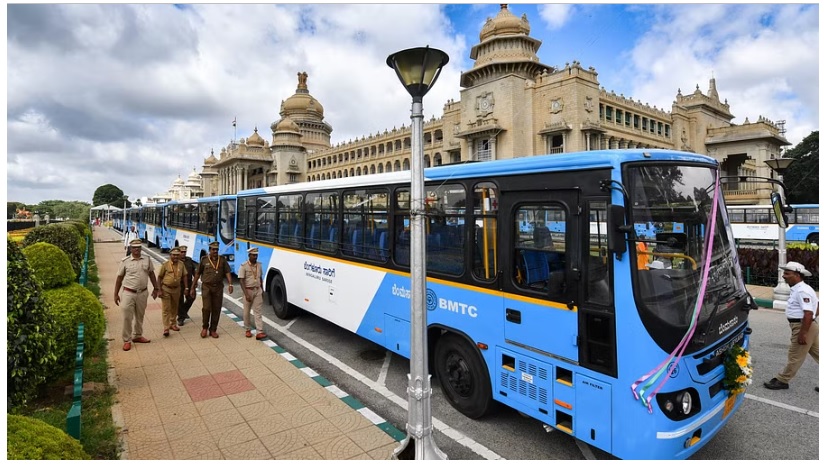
[(738, 370)]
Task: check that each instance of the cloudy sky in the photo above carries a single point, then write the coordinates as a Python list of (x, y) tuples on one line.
[(135, 95)]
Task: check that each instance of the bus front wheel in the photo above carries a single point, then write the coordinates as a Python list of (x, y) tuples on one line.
[(463, 376), (277, 295)]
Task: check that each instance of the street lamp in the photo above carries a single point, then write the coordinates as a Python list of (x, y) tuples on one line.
[(781, 292), (418, 69)]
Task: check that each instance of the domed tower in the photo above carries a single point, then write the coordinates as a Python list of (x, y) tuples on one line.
[(307, 114), (505, 48), (209, 176), (288, 153)]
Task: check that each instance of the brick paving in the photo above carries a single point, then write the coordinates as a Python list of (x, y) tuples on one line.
[(186, 397)]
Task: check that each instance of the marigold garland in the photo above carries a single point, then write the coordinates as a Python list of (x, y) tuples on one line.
[(737, 370)]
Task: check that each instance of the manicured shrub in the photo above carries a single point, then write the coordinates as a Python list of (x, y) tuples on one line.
[(80, 227), (50, 265), (63, 236), (29, 348), (32, 439), (69, 306)]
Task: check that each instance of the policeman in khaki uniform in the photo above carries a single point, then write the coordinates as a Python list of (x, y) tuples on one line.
[(212, 268), (186, 300), (134, 273), (251, 282), (801, 311), (172, 284)]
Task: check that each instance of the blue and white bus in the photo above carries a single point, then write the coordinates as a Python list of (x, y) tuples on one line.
[(758, 223), (198, 222), (153, 225), (563, 327)]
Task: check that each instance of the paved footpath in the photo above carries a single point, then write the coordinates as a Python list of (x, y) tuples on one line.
[(185, 397)]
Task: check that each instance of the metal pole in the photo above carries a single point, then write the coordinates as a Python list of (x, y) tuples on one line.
[(781, 292), (419, 425)]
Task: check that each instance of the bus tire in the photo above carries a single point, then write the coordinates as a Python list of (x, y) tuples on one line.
[(812, 238), (463, 376), (277, 295)]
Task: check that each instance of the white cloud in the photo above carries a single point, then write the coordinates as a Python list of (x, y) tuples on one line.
[(556, 15), (764, 59)]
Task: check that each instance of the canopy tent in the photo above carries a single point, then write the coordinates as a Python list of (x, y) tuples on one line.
[(103, 208), (107, 207)]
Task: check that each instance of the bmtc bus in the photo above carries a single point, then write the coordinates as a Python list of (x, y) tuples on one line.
[(560, 327), (153, 221), (198, 222), (133, 218), (758, 223)]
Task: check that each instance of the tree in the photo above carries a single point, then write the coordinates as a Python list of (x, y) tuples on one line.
[(12, 208), (108, 194), (801, 178)]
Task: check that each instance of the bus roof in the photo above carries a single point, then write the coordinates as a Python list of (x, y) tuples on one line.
[(523, 165)]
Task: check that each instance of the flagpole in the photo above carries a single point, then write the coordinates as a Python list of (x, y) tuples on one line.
[(234, 125)]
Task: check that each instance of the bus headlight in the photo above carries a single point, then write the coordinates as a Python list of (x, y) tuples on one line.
[(686, 402), (679, 405)]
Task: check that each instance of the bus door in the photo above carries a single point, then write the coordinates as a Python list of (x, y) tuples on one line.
[(540, 303), (541, 294)]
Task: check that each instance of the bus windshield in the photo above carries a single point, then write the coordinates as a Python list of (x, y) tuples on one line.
[(670, 205)]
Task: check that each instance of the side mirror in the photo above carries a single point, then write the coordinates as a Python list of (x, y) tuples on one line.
[(779, 209), (617, 241)]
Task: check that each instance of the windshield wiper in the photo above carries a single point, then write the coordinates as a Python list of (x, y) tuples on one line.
[(723, 299)]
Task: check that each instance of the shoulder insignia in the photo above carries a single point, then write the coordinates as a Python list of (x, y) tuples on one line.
[(806, 300)]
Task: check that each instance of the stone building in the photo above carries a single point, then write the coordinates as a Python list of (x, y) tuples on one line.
[(510, 106)]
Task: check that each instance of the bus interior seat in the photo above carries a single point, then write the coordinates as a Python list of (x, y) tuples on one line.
[(535, 267), (383, 246), (283, 232)]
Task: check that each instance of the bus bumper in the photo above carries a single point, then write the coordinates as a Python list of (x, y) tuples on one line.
[(683, 442)]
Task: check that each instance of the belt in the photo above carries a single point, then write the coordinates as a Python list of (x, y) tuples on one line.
[(794, 320), (171, 287), (133, 290)]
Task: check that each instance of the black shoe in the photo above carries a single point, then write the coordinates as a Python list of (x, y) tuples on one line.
[(816, 389), (776, 384), (180, 322)]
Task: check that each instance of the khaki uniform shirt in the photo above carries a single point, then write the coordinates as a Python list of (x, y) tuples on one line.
[(135, 272), (170, 274), (249, 275), (212, 274)]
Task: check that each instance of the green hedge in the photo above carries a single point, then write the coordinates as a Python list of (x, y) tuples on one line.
[(63, 236), (30, 353), (31, 439), (50, 264), (69, 306), (81, 227)]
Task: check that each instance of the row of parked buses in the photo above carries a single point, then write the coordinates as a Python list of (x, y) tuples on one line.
[(194, 223), (559, 322)]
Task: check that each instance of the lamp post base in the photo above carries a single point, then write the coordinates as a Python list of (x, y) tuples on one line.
[(781, 293), (412, 448)]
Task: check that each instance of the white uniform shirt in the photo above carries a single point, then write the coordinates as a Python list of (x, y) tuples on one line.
[(128, 237), (802, 298)]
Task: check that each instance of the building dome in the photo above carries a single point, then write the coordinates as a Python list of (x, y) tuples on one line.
[(178, 181), (193, 178), (211, 160), (287, 125), (504, 24), (255, 139), (302, 102)]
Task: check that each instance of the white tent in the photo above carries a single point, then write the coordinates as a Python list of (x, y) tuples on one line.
[(103, 208)]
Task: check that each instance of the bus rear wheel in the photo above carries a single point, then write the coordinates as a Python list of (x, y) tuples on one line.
[(277, 295), (463, 376)]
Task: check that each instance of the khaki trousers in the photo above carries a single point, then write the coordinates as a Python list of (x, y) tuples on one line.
[(798, 353), (255, 305), (169, 299), (134, 308), (212, 304)]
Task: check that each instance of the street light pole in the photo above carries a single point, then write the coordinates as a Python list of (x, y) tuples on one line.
[(418, 68), (781, 292)]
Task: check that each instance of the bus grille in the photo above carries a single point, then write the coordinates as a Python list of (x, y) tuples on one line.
[(536, 390)]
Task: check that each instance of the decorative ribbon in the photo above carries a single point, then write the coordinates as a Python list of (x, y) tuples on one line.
[(656, 373)]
